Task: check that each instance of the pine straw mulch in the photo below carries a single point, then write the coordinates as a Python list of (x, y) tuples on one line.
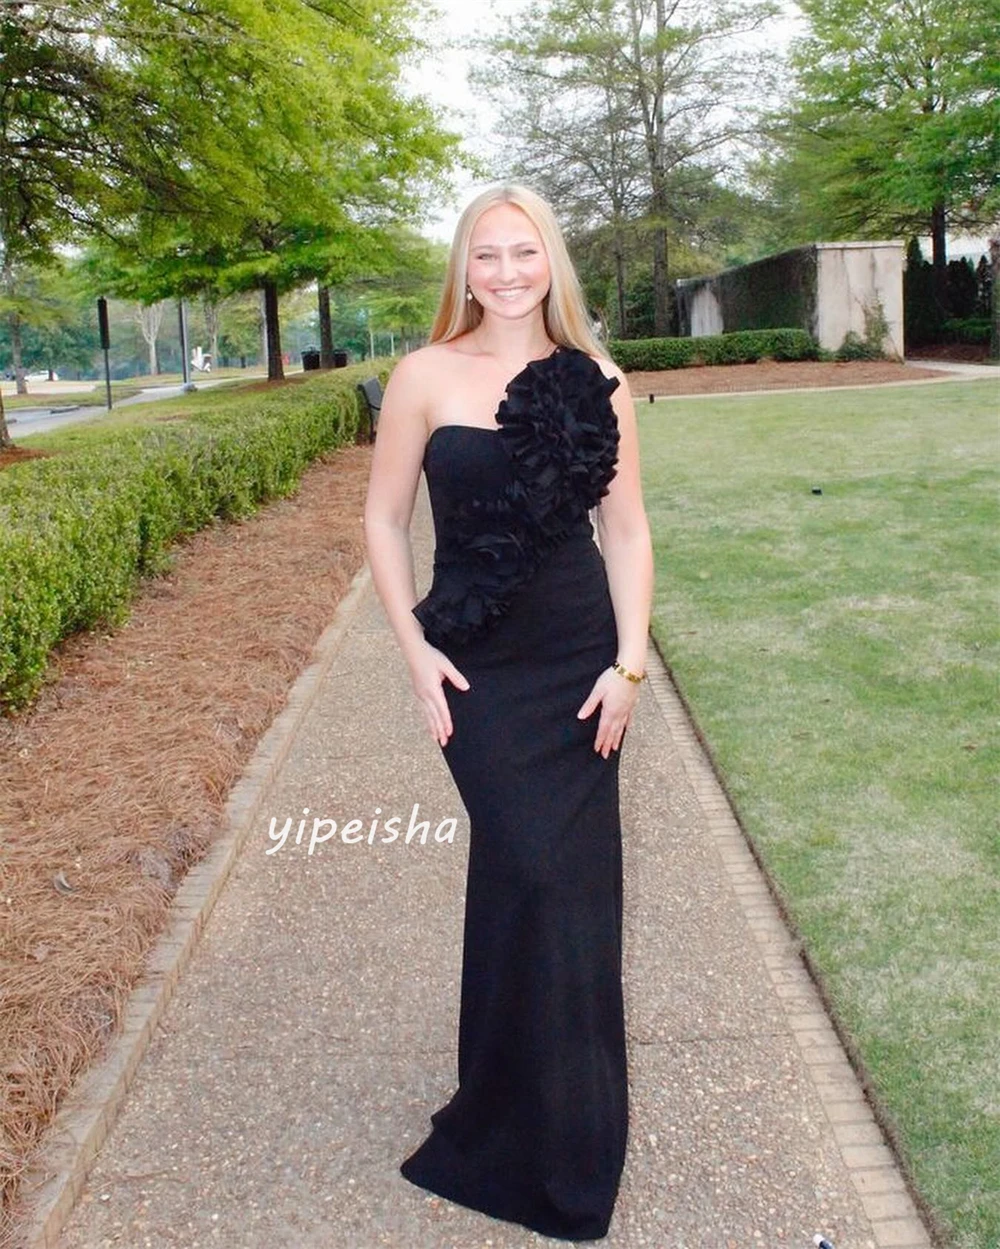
[(113, 783), (16, 454), (713, 379)]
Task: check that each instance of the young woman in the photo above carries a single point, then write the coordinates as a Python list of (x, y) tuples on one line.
[(526, 656)]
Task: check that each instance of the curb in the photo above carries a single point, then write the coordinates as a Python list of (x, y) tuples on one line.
[(870, 1160), (85, 1119)]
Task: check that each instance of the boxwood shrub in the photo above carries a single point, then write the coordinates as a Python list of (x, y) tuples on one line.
[(79, 529), (739, 347), (967, 330)]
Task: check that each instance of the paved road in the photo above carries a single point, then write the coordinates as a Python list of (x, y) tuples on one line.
[(40, 420)]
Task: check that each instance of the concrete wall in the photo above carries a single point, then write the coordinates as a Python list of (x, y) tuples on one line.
[(824, 288), (853, 279)]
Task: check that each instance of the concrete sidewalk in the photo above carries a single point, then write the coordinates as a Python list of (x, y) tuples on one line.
[(314, 1028), (958, 367)]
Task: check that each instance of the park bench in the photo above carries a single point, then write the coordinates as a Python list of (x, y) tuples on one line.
[(371, 392)]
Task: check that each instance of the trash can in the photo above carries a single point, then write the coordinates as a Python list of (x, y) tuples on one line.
[(310, 360), (340, 359)]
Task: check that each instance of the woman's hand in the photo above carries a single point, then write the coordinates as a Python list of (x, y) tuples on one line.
[(428, 670), (616, 697)]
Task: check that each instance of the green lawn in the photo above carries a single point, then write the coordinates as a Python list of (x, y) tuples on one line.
[(178, 407), (840, 652), (38, 397), (92, 393)]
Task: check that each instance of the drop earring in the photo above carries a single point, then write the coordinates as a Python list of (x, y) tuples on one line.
[(468, 294)]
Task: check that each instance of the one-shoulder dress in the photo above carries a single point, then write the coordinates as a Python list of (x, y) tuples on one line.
[(536, 1131)]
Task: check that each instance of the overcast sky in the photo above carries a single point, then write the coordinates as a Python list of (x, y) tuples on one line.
[(443, 78)]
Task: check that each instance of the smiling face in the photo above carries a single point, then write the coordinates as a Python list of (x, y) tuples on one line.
[(508, 270)]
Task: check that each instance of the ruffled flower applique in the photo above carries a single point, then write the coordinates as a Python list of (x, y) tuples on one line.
[(560, 432)]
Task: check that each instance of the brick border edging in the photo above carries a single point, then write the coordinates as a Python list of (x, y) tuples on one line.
[(899, 1219), (83, 1123)]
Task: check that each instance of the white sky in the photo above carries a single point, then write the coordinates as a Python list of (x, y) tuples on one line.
[(442, 77)]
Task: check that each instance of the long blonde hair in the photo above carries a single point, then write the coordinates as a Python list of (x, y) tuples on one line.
[(564, 309)]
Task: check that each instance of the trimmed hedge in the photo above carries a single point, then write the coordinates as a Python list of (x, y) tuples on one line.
[(739, 347), (79, 530), (967, 330)]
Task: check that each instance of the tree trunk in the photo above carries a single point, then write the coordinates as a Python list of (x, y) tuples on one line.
[(17, 354), (939, 241), (661, 277), (661, 274), (211, 310), (939, 262), (149, 318), (275, 370), (325, 329), (5, 438), (995, 298), (620, 287)]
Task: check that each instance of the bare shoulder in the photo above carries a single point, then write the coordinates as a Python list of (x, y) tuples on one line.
[(423, 366), (410, 383), (409, 369)]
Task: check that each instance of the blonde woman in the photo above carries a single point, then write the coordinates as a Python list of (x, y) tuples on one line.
[(526, 656)]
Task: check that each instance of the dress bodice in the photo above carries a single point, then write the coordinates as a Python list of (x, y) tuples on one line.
[(461, 463), (501, 498)]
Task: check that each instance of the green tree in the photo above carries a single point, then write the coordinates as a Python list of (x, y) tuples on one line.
[(35, 307), (623, 111), (82, 141), (897, 106), (239, 328), (405, 302), (264, 139)]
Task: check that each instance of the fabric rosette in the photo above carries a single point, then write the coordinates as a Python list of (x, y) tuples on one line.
[(560, 434), (488, 554)]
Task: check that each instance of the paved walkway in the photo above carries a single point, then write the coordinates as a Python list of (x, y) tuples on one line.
[(314, 1027), (958, 367)]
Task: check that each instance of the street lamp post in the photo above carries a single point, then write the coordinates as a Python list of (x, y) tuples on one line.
[(185, 366)]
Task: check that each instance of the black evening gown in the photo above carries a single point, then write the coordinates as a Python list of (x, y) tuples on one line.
[(536, 1130)]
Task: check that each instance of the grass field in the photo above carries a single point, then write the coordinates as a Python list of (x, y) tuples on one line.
[(176, 407), (840, 652), (42, 395)]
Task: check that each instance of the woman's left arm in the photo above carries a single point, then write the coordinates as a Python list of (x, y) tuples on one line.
[(628, 557)]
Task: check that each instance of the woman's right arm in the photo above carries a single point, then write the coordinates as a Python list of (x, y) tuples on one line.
[(392, 489)]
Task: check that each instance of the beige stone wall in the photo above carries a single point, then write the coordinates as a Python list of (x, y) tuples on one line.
[(853, 278)]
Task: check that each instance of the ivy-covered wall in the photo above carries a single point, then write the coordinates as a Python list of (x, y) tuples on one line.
[(830, 290), (767, 294)]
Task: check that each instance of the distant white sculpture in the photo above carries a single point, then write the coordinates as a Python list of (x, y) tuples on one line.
[(200, 361)]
